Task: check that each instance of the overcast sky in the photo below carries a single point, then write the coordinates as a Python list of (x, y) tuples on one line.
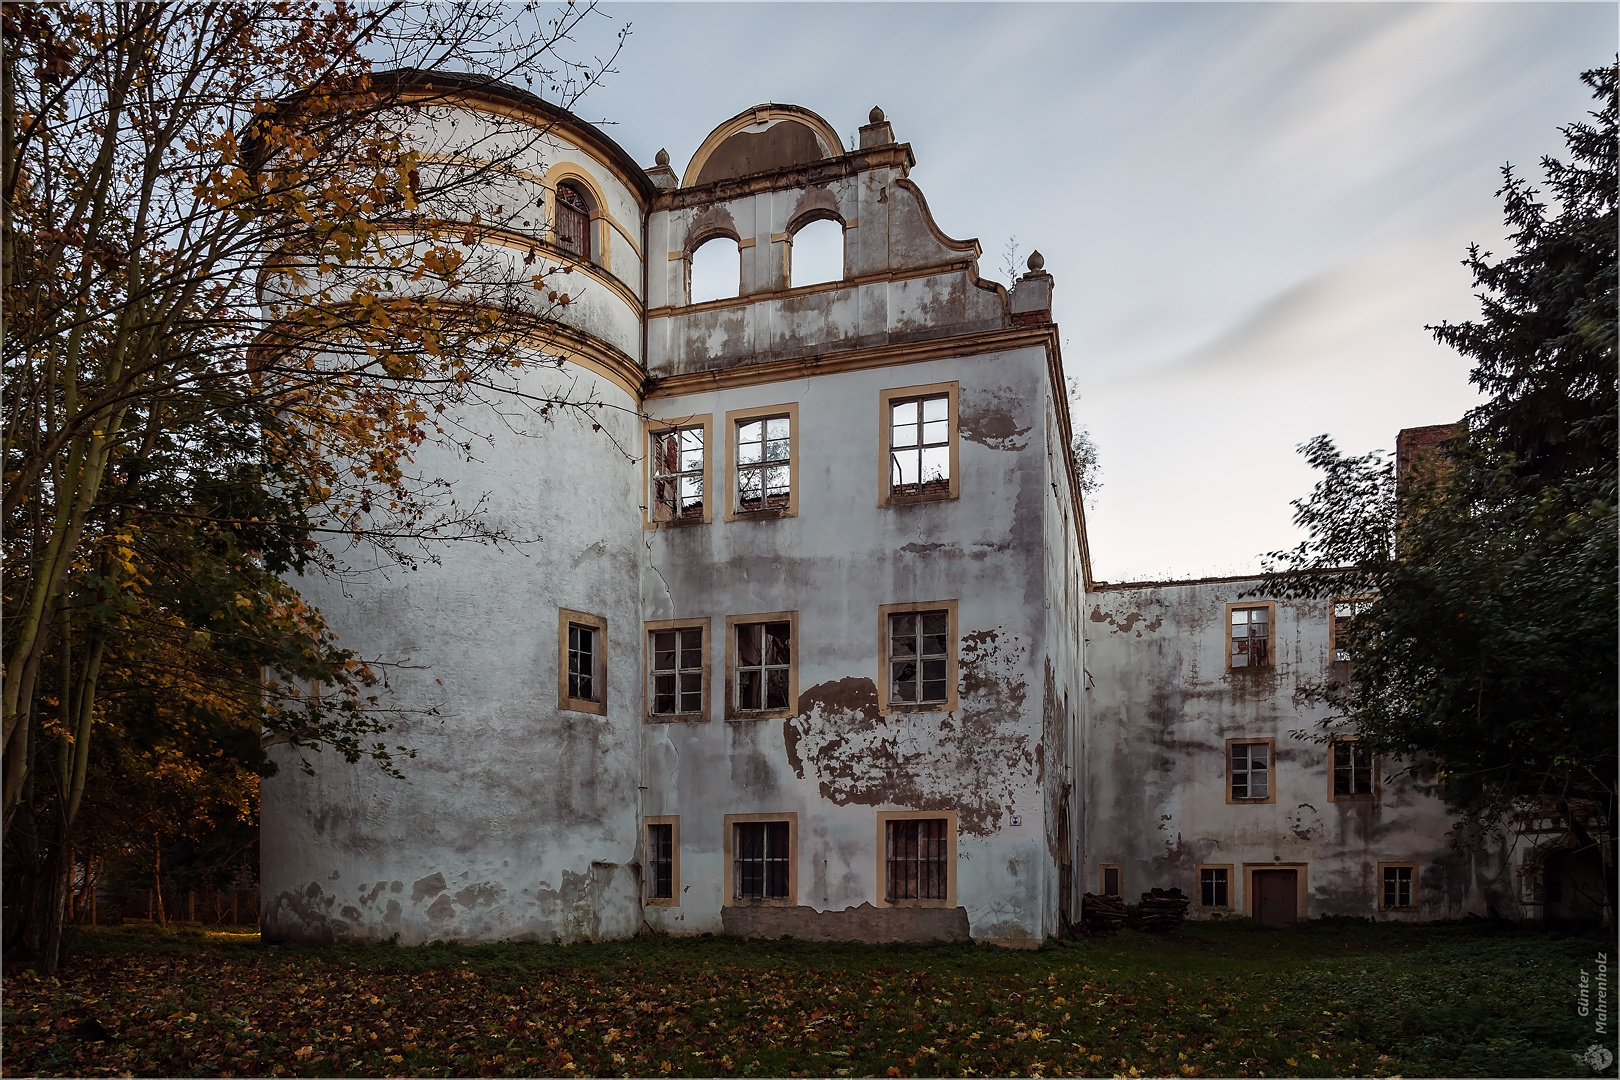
[(1250, 211)]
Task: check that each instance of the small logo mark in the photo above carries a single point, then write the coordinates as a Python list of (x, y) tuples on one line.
[(1598, 1057)]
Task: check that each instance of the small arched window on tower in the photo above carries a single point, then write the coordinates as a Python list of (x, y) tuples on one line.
[(571, 226)]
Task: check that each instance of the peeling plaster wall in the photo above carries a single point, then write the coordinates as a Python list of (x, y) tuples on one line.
[(515, 819), (1158, 713), (836, 762)]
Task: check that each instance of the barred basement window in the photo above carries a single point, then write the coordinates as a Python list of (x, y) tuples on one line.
[(920, 446), (677, 671), (760, 863), (764, 474), (917, 860), (1250, 771), (1352, 771), (1398, 886), (661, 861), (1214, 887), (1251, 637), (678, 474), (763, 665)]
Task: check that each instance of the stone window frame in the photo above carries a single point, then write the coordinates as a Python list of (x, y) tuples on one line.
[(787, 235), (1231, 887), (1416, 903), (795, 647), (1102, 879), (727, 850), (704, 624), (1301, 882), (1271, 617), (565, 701), (886, 399), (674, 822), (883, 819), (1372, 767), (1271, 772), (734, 419), (952, 701), (649, 428)]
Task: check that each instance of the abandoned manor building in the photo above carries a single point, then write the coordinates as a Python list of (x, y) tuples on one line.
[(811, 645)]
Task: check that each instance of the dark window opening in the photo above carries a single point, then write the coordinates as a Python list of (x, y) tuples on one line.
[(764, 659), (677, 671), (572, 227), (661, 861), (1352, 771), (1110, 881), (581, 662), (917, 860), (1397, 886), (919, 657), (1213, 885), (760, 866)]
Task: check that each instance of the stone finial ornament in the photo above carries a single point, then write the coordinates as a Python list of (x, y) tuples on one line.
[(662, 157), (1036, 262), (876, 116)]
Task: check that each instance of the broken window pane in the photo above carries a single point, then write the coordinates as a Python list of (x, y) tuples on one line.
[(920, 446), (917, 860), (919, 657), (763, 454), (677, 464), (763, 666)]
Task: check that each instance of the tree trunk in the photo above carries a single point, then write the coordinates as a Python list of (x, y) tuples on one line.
[(157, 882), (48, 905)]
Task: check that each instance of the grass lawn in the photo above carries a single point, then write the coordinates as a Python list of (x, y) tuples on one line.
[(1329, 998)]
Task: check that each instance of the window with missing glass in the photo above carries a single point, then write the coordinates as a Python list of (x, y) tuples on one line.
[(1249, 770), (761, 860), (919, 657), (679, 474), (581, 662), (1352, 770), (764, 469), (917, 860), (762, 670), (1250, 636), (920, 446), (1345, 610)]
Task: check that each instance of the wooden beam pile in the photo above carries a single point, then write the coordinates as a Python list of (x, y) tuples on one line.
[(1102, 914), (1161, 910)]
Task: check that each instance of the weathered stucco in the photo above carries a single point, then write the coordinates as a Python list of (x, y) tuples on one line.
[(1160, 710)]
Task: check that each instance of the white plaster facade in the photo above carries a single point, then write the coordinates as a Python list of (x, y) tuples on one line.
[(1081, 721)]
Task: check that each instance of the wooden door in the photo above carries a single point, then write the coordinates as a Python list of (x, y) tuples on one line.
[(1276, 896)]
